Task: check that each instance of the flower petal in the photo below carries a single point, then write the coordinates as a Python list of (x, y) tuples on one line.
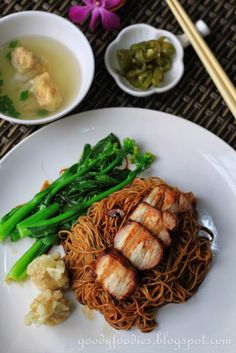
[(78, 14), (102, 3), (109, 4), (89, 2), (109, 20), (94, 18)]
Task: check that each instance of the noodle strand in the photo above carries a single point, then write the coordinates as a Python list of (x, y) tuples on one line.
[(178, 276)]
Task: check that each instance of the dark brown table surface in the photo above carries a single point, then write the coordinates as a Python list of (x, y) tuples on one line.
[(195, 98)]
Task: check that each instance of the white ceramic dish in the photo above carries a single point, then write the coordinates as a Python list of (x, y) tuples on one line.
[(38, 23), (135, 34), (189, 157), (143, 32)]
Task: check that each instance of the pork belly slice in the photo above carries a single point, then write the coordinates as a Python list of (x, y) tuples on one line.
[(187, 202), (173, 201), (157, 222), (156, 196), (115, 274), (170, 201), (136, 243)]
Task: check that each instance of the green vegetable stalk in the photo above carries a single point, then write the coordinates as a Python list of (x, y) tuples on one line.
[(46, 227), (7, 225), (44, 213), (18, 271), (93, 178)]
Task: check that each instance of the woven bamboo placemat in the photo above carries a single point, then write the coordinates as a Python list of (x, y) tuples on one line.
[(195, 98)]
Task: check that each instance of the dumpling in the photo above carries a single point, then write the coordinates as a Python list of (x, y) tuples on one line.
[(46, 92), (25, 61), (49, 308), (48, 272)]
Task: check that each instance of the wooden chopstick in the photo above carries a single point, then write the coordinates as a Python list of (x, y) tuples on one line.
[(215, 70)]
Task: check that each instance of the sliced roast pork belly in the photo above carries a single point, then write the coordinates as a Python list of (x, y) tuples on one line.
[(187, 202), (155, 197), (136, 243), (115, 274), (157, 222), (173, 201)]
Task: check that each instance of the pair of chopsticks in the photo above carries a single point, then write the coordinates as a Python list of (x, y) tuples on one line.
[(214, 69)]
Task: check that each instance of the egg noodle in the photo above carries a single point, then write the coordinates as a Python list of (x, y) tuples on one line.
[(183, 268)]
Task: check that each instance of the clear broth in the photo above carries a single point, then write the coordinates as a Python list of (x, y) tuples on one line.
[(63, 69)]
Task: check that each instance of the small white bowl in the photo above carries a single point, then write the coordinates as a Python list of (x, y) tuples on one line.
[(39, 23), (135, 34)]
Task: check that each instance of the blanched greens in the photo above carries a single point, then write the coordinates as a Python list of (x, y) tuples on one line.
[(94, 177)]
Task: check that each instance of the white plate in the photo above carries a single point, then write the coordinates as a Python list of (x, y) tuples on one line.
[(189, 157)]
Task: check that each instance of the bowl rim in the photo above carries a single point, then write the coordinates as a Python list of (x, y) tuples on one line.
[(140, 93), (89, 79)]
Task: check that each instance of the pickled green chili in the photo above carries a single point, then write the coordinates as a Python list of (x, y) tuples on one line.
[(145, 63)]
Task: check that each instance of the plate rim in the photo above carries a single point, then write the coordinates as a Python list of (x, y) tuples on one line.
[(95, 120), (162, 115)]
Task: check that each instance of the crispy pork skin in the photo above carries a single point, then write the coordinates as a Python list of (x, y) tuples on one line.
[(156, 196), (171, 200)]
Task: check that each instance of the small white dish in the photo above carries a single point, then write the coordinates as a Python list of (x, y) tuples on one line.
[(39, 23), (143, 32)]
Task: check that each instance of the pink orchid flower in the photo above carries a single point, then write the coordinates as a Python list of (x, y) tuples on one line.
[(99, 10)]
